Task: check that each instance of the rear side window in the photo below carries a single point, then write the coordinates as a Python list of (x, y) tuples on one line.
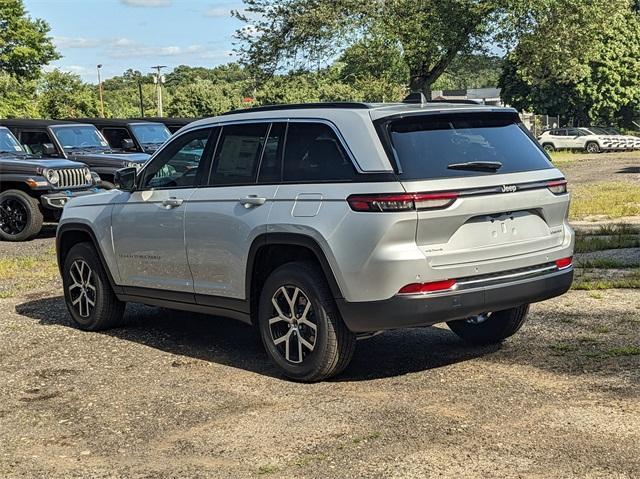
[(313, 153), (426, 146), (238, 153), (271, 164)]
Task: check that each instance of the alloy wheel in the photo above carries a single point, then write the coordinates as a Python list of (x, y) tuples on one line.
[(82, 292), (292, 327), (13, 216)]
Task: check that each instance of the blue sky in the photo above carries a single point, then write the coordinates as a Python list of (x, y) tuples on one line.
[(137, 34)]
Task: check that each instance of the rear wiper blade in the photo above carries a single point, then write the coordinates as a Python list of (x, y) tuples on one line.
[(476, 165)]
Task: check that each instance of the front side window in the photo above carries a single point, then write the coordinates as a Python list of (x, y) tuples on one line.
[(178, 164), (115, 136), (150, 133), (440, 146), (35, 141), (314, 153), (79, 137), (238, 153)]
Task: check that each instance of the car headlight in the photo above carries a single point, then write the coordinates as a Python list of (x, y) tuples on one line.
[(95, 177), (132, 164), (87, 175), (52, 176)]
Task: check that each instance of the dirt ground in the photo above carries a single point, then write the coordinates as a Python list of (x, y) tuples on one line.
[(601, 167), (182, 395)]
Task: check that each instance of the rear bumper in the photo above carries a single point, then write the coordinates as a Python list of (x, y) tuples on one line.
[(56, 201), (429, 309)]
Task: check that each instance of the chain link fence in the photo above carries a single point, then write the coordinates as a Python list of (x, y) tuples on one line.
[(538, 123)]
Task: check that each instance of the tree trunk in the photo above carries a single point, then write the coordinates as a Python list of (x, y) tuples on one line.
[(420, 83)]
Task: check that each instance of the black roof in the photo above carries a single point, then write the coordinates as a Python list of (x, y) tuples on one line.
[(27, 122), (109, 121), (167, 120), (302, 106)]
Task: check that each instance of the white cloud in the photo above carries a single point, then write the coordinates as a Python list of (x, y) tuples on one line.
[(217, 12), (146, 3), (79, 42), (125, 48)]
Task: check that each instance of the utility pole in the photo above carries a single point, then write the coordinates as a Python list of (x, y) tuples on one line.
[(99, 66), (141, 99), (159, 80)]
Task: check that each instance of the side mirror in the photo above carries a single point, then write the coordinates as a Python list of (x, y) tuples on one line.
[(125, 178), (128, 144), (48, 149)]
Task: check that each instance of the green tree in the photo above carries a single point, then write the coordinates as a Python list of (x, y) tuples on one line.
[(204, 98), (62, 95), (24, 43), (430, 34), (122, 95), (583, 65), (16, 98)]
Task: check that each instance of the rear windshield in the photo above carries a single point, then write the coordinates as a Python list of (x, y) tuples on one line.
[(427, 146)]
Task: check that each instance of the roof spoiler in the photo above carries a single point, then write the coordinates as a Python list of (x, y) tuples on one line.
[(418, 98)]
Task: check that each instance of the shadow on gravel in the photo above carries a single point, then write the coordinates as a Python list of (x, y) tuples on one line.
[(229, 342), (48, 231), (629, 170)]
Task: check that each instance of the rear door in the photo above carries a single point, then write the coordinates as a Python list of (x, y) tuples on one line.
[(501, 210), (225, 216)]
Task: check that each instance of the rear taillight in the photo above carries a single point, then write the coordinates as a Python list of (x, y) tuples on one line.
[(422, 288), (557, 187), (401, 201), (564, 262)]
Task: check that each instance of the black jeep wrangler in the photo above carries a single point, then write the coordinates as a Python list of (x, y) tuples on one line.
[(73, 141), (33, 190), (173, 124), (130, 136)]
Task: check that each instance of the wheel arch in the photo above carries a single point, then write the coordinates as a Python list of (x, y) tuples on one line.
[(70, 234), (271, 250)]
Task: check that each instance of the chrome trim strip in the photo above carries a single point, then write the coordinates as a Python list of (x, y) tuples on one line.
[(534, 272)]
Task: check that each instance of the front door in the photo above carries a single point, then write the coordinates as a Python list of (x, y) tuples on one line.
[(148, 226), (224, 217)]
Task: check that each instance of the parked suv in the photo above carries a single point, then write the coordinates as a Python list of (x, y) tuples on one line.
[(73, 141), (33, 190), (130, 136), (578, 139), (325, 222)]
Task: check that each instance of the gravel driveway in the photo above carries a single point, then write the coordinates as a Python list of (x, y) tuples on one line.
[(184, 395)]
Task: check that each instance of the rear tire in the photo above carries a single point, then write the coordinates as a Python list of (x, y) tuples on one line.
[(20, 216), (491, 328), (91, 302), (592, 147), (309, 341)]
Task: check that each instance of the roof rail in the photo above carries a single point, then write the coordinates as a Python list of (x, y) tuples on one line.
[(418, 98), (457, 101), (301, 106)]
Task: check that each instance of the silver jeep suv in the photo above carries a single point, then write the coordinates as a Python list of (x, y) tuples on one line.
[(323, 223)]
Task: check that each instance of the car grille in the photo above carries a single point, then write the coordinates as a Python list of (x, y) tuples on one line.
[(72, 178)]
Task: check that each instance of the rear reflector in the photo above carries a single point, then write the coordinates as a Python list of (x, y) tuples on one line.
[(401, 201), (564, 262), (557, 187), (421, 288)]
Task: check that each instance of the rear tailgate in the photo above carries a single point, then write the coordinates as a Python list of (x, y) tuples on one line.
[(503, 208)]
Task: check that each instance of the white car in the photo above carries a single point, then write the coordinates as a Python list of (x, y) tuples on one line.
[(628, 142), (578, 139)]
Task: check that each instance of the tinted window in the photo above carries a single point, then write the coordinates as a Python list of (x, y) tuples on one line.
[(8, 142), (115, 136), (238, 153), (34, 141), (150, 133), (177, 165), (427, 145), (313, 153), (271, 164), (573, 132), (79, 137)]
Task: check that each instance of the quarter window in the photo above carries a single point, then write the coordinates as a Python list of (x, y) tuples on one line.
[(271, 164), (177, 165), (238, 154), (314, 153)]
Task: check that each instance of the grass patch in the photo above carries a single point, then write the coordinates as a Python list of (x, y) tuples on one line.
[(267, 469), (564, 158), (594, 295), (600, 263), (612, 199), (623, 351), (587, 244), (563, 348), (631, 281), (602, 329), (22, 273)]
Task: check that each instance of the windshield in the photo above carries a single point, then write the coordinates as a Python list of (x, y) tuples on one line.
[(150, 133), (430, 147), (9, 144), (80, 137)]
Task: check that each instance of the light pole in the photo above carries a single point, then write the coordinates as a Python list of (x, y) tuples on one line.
[(159, 79), (99, 66)]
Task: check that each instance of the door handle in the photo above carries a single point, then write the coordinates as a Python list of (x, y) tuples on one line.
[(172, 202), (252, 200)]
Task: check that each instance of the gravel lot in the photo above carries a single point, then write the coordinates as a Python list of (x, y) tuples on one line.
[(183, 395)]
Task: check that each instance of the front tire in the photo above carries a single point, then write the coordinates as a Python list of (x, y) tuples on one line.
[(549, 148), (91, 302), (300, 325), (490, 328), (20, 216), (592, 147)]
